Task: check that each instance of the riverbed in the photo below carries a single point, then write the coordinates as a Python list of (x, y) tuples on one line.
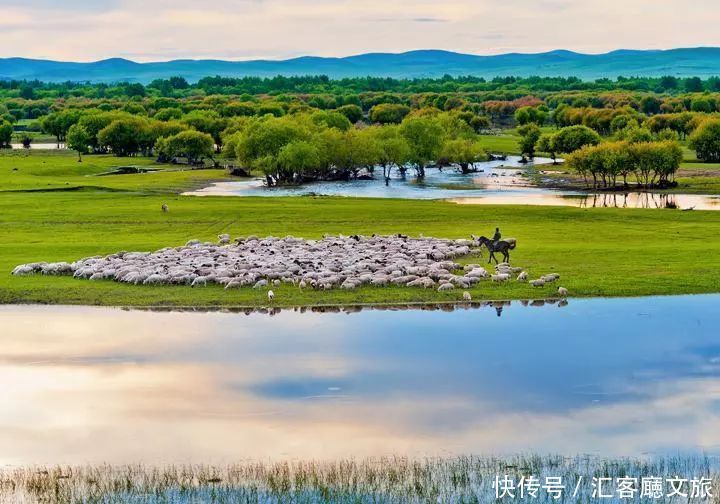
[(602, 376)]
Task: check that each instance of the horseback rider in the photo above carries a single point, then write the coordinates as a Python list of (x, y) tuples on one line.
[(496, 237)]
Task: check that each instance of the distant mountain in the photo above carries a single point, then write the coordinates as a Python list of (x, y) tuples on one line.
[(701, 61)]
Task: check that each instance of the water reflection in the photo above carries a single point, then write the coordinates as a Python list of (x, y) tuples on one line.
[(613, 376), (601, 200)]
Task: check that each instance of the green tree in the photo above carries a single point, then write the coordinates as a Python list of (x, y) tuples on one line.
[(425, 137), (297, 159), (353, 113), (331, 120), (572, 138), (393, 149), (78, 139), (210, 122), (193, 145), (529, 136), (388, 113), (6, 132), (706, 141), (125, 137), (464, 152)]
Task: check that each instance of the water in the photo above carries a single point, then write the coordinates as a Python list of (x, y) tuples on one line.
[(40, 146), (493, 177), (499, 183), (602, 376)]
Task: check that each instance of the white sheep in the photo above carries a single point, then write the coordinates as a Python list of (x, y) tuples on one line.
[(467, 296), (271, 295), (522, 277), (165, 208), (223, 239), (537, 283), (563, 292), (500, 277), (446, 287)]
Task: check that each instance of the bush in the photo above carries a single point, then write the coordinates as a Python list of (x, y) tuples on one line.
[(706, 141)]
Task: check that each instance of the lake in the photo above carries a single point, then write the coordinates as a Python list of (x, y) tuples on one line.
[(601, 376), (499, 182)]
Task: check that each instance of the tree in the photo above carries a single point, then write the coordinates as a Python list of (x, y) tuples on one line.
[(462, 151), (6, 132), (425, 137), (78, 139), (210, 122), (298, 158), (529, 136), (547, 144), (394, 150), (193, 145), (706, 141), (693, 85), (58, 123), (527, 115), (388, 113), (352, 112), (332, 120), (573, 138), (124, 137)]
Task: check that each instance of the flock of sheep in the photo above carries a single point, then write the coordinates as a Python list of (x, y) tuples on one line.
[(344, 262)]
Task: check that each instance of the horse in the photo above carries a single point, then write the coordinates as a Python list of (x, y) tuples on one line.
[(502, 246)]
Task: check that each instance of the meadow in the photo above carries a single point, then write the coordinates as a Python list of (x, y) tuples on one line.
[(53, 208)]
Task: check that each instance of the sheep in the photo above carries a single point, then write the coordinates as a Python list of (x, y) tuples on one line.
[(500, 277), (467, 296), (563, 292), (537, 283), (446, 287), (522, 277), (165, 208), (270, 295), (260, 284), (551, 277), (23, 269), (268, 262), (224, 239)]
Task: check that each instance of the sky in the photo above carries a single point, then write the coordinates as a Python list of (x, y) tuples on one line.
[(159, 30)]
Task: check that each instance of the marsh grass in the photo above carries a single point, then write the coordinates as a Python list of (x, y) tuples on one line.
[(465, 479)]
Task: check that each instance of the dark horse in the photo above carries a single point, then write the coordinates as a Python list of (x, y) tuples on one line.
[(502, 246)]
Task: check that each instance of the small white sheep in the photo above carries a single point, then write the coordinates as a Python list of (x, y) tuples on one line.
[(271, 295), (260, 284), (522, 277), (537, 283), (223, 239), (500, 277), (467, 296), (446, 287), (165, 208), (562, 291)]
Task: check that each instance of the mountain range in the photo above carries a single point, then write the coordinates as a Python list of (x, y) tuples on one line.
[(700, 61)]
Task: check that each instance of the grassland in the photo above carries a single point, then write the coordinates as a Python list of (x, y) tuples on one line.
[(53, 208), (383, 480)]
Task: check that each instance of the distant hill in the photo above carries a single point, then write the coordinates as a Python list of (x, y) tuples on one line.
[(701, 61)]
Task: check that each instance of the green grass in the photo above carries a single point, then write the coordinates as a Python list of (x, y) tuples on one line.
[(598, 252), (500, 144)]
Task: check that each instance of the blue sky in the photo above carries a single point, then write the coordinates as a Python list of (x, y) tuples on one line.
[(150, 30)]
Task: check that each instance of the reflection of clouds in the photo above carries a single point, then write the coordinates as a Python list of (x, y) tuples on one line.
[(611, 376)]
